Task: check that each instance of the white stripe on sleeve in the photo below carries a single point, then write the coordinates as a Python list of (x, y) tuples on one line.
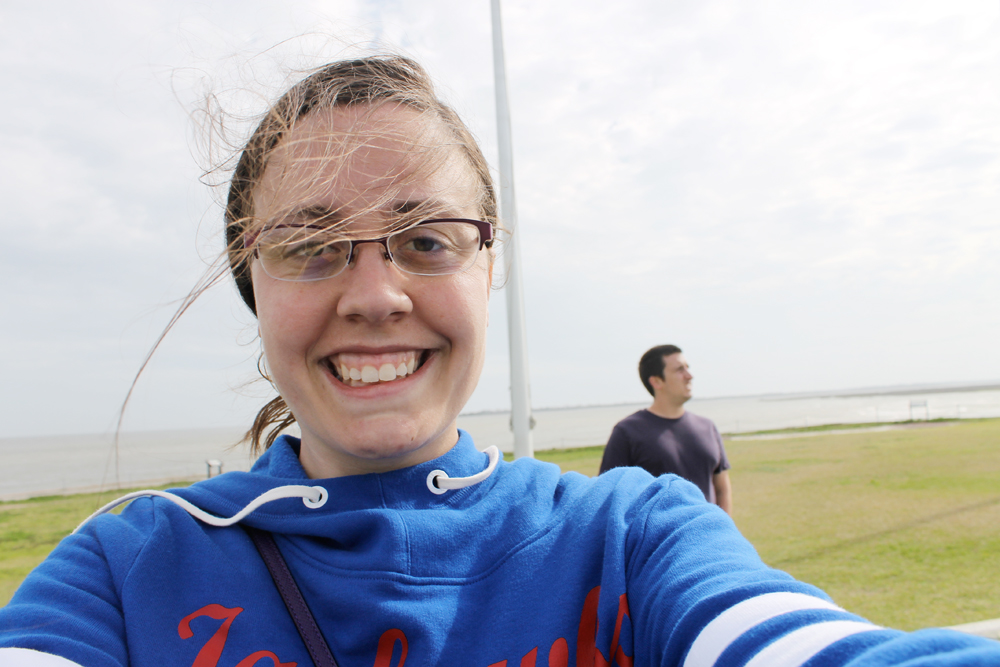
[(733, 622), (25, 657), (796, 647)]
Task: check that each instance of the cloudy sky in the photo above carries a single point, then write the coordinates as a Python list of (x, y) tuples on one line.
[(802, 195)]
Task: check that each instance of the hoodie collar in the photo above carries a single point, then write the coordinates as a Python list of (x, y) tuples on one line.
[(397, 489)]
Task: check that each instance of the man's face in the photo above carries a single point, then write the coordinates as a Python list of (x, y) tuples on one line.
[(676, 381)]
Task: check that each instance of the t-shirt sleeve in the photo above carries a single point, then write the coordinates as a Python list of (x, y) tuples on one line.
[(723, 459), (70, 605), (617, 453)]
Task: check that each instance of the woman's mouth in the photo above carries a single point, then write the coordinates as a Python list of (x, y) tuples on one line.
[(360, 370)]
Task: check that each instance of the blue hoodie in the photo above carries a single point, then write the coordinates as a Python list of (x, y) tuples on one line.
[(526, 567)]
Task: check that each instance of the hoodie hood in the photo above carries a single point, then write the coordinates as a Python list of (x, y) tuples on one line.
[(392, 522), (385, 522)]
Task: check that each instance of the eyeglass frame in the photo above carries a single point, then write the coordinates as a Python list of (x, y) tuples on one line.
[(485, 241)]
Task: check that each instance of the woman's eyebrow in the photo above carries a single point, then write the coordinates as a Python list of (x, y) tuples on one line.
[(333, 216), (435, 206), (409, 206), (324, 213)]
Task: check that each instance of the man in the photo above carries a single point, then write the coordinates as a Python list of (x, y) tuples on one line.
[(665, 438)]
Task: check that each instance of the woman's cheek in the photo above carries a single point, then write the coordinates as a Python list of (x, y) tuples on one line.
[(468, 312), (288, 329), (291, 313)]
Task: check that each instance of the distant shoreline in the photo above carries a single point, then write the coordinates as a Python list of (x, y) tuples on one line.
[(859, 392), (837, 429), (235, 433)]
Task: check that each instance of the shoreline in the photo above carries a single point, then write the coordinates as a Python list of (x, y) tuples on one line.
[(775, 434), (61, 464)]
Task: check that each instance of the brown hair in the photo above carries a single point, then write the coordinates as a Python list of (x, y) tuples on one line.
[(373, 80)]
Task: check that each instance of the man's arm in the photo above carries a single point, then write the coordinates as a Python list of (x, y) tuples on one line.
[(723, 491)]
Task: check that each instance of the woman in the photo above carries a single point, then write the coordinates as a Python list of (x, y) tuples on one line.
[(360, 224)]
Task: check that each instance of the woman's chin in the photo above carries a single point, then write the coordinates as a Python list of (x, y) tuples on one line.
[(373, 450), (387, 449)]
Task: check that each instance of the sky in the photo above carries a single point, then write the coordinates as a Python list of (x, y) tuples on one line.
[(804, 196)]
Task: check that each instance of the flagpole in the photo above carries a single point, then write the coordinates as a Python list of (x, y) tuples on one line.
[(520, 389)]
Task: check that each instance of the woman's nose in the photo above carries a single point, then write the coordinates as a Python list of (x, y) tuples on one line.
[(372, 286)]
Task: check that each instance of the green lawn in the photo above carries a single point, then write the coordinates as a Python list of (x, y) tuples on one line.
[(900, 526)]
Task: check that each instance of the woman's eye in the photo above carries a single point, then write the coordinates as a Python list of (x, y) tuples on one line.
[(308, 248), (299, 244), (431, 238), (424, 243)]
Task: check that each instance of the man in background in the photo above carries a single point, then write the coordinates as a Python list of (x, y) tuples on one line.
[(664, 438)]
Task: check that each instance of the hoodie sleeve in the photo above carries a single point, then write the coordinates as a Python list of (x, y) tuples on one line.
[(68, 610), (700, 596)]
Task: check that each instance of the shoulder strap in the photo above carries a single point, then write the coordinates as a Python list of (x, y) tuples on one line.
[(318, 649)]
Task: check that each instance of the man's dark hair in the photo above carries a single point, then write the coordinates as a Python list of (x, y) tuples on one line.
[(651, 364)]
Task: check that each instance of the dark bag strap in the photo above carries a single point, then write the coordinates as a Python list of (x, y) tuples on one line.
[(318, 649)]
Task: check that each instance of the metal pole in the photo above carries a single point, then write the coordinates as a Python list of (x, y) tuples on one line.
[(520, 389)]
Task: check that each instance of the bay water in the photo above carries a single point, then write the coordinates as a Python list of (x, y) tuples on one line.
[(45, 465)]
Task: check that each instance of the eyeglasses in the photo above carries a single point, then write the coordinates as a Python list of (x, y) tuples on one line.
[(304, 252)]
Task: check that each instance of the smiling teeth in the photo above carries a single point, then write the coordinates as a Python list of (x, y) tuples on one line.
[(356, 369)]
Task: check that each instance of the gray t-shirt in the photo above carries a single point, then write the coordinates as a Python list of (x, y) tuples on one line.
[(689, 446)]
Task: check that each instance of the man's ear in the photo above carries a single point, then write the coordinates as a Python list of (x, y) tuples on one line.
[(656, 382)]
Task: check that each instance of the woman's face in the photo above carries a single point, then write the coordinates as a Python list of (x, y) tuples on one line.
[(372, 315)]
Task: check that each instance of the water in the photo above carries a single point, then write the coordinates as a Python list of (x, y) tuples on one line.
[(586, 426), (60, 464)]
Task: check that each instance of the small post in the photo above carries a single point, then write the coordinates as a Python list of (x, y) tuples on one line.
[(213, 464), (920, 404)]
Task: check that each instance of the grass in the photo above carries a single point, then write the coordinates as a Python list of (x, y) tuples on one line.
[(842, 427), (900, 526), (586, 460)]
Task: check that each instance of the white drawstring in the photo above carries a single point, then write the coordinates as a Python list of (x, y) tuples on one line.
[(439, 482), (312, 496)]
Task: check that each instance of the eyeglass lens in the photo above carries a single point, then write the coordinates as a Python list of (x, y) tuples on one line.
[(304, 252)]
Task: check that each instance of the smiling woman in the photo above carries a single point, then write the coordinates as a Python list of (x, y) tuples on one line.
[(360, 223), (355, 152), (348, 172)]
